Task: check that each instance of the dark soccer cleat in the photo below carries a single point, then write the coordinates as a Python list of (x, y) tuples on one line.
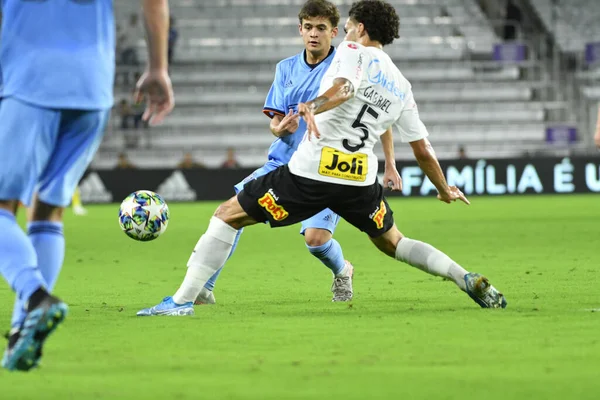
[(25, 345)]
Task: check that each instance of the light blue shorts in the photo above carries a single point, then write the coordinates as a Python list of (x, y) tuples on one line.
[(326, 219), (46, 150)]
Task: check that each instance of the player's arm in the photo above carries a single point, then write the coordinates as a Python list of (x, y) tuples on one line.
[(391, 177), (156, 21), (284, 125), (428, 162), (348, 71), (597, 135), (275, 107), (413, 130), (341, 91), (155, 83)]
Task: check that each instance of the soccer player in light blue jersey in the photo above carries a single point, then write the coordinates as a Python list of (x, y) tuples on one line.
[(297, 80), (56, 91)]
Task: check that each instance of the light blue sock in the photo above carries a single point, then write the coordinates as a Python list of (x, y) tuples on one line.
[(18, 260), (49, 243), (210, 284), (330, 254)]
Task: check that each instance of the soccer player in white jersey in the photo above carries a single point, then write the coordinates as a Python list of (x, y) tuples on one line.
[(297, 80), (362, 95)]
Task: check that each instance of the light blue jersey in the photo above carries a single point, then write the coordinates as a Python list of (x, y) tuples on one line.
[(58, 53), (57, 64), (295, 82)]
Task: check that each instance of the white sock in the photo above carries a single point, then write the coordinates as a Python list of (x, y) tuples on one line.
[(208, 256), (429, 259)]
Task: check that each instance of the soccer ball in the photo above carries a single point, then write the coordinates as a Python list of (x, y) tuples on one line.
[(143, 215)]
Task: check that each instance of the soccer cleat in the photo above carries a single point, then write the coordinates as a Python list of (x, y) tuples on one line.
[(168, 307), (482, 292), (342, 284), (79, 210), (206, 296), (25, 345)]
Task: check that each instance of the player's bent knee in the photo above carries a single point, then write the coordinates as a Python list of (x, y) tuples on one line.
[(315, 237), (232, 213), (388, 242), (41, 211), (10, 205)]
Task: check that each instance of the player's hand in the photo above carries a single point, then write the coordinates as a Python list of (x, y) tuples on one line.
[(392, 179), (287, 125), (453, 194), (156, 88), (306, 112)]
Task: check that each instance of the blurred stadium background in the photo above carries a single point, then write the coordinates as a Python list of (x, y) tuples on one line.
[(495, 78)]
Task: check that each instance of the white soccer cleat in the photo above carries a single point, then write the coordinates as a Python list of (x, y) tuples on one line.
[(342, 284), (205, 297), (79, 210), (482, 292)]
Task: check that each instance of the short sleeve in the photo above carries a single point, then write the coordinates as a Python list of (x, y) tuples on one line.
[(349, 64), (274, 103), (409, 123)]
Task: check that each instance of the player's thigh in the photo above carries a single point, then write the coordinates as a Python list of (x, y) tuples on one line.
[(80, 134), (278, 198), (265, 169), (366, 209), (326, 219), (27, 139)]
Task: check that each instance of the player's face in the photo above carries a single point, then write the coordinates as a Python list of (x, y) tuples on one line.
[(317, 34), (351, 28)]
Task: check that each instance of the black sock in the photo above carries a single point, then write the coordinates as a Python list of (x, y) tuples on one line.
[(36, 298)]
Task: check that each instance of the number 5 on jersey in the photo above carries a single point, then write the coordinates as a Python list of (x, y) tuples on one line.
[(357, 124)]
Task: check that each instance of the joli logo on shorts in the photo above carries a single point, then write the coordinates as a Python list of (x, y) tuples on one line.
[(268, 203), (337, 164), (378, 215)]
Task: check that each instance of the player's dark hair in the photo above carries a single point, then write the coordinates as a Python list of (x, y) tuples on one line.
[(320, 8), (379, 18)]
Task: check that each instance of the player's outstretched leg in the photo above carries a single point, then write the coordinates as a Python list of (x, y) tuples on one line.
[(210, 253), (318, 231), (44, 313), (431, 260)]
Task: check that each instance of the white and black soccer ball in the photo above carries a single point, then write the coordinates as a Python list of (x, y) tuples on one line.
[(144, 215)]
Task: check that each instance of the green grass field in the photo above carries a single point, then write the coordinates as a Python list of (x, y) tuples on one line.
[(274, 333)]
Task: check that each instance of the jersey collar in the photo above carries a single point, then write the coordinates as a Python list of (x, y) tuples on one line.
[(313, 66)]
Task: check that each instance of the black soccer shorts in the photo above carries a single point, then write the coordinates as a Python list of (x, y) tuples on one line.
[(285, 199)]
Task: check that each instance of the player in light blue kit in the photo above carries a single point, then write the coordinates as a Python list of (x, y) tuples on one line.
[(56, 92), (297, 79)]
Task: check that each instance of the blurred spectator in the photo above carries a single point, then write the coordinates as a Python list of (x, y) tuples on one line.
[(123, 162), (138, 112), (173, 35), (230, 161), (126, 114), (462, 154), (189, 162), (128, 39), (512, 18)]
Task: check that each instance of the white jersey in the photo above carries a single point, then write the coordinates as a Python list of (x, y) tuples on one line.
[(382, 98)]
